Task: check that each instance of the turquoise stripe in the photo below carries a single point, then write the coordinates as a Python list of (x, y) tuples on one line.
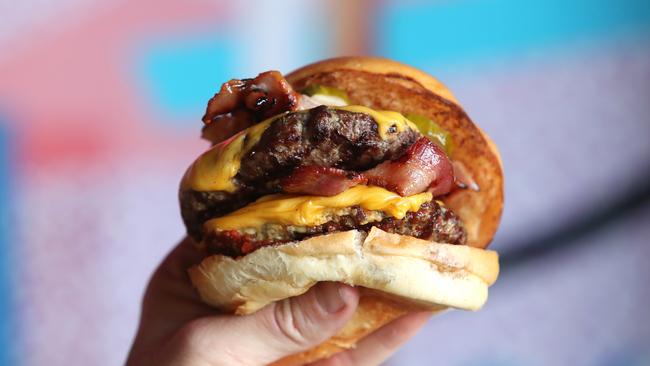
[(440, 34), (7, 313), (180, 75)]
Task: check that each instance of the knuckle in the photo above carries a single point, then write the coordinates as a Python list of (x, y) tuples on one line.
[(290, 323), (191, 335)]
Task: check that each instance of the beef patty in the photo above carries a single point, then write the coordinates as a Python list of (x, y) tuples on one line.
[(431, 222), (321, 136)]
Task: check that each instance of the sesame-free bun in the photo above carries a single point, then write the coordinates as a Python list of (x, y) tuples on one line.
[(388, 85), (397, 272)]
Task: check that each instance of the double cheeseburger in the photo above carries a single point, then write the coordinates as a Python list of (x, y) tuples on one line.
[(358, 170)]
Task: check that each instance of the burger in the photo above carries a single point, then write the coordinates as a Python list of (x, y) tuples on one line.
[(358, 170)]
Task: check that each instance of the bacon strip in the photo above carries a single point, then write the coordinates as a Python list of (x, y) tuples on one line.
[(226, 125), (321, 181), (265, 96), (424, 166)]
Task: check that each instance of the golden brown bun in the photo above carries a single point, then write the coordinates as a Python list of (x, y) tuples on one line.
[(384, 84), (401, 273)]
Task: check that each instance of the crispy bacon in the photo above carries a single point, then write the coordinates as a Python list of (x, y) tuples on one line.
[(227, 125), (321, 181), (424, 166), (264, 96)]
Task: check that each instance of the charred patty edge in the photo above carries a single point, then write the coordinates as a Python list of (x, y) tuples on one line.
[(433, 221), (321, 136)]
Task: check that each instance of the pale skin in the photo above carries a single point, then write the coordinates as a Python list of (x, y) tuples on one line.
[(176, 328)]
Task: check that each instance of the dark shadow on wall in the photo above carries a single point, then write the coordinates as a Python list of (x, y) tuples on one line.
[(568, 236)]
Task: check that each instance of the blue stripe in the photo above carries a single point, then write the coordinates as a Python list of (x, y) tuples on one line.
[(7, 313), (431, 35), (182, 74)]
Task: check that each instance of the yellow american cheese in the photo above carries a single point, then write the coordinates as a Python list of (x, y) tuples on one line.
[(385, 119), (286, 209), (215, 169)]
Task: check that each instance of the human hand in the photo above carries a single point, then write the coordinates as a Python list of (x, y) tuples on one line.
[(177, 328)]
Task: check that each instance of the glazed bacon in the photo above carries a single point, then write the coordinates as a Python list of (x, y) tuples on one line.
[(424, 166), (242, 103), (321, 181), (227, 125)]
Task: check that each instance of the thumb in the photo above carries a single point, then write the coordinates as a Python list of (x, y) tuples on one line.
[(286, 327)]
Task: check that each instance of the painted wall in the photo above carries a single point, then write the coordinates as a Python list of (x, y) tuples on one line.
[(100, 106)]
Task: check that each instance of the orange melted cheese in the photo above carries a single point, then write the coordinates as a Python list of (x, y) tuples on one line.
[(298, 210), (384, 119), (215, 169)]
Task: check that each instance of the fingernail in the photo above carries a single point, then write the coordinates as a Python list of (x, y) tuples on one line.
[(333, 297)]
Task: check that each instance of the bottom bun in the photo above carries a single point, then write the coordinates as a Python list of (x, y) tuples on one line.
[(374, 311), (397, 273)]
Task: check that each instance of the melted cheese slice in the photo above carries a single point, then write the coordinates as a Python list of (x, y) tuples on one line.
[(385, 119), (215, 169), (285, 209)]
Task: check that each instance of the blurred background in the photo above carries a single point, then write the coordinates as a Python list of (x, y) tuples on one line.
[(100, 106)]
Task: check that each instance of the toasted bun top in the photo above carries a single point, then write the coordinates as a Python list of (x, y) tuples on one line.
[(388, 85)]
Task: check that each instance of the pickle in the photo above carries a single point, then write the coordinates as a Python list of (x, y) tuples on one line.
[(316, 89), (434, 132)]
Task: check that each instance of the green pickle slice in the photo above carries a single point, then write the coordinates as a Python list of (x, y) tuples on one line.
[(426, 126), (315, 89), (434, 132)]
